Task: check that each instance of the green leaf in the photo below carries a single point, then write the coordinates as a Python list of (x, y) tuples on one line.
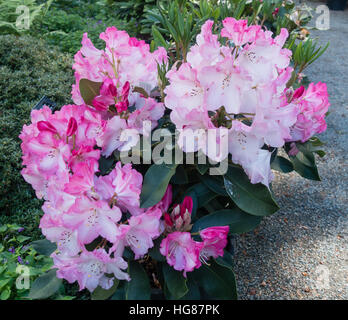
[(89, 90), (202, 168), (158, 37), (45, 286), (217, 281), (225, 261), (175, 282), (304, 162), (282, 164), (181, 24), (4, 282), (61, 297), (44, 247), (21, 238), (101, 294), (180, 176), (255, 199), (193, 292), (236, 219), (139, 286), (5, 294), (155, 184), (308, 172), (202, 193), (215, 184), (120, 293)]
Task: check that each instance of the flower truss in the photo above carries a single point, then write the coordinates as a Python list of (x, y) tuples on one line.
[(241, 88), (234, 83)]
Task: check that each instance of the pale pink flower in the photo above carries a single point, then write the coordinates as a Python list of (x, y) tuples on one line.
[(122, 187), (238, 31), (66, 239), (180, 251), (141, 231), (89, 269), (92, 219)]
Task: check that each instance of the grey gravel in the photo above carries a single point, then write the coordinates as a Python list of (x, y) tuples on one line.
[(301, 251)]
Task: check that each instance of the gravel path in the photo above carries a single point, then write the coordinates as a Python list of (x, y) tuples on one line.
[(301, 252)]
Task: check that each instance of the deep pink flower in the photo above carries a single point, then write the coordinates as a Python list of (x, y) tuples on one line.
[(186, 205), (166, 201), (214, 242), (313, 105), (298, 92)]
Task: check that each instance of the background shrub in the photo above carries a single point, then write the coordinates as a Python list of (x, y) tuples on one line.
[(66, 21), (9, 14)]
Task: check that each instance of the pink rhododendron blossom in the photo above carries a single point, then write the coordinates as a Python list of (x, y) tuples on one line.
[(124, 65), (180, 251), (237, 92), (92, 219), (214, 242), (313, 105), (62, 163), (238, 31), (90, 269), (140, 232), (122, 187)]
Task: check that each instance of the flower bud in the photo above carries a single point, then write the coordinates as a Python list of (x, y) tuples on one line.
[(72, 127), (187, 218), (179, 223), (186, 205), (168, 221), (125, 90), (298, 93), (275, 12), (46, 126)]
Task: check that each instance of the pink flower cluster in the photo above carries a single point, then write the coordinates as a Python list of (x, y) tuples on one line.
[(313, 105), (238, 90), (124, 65), (81, 206), (179, 248)]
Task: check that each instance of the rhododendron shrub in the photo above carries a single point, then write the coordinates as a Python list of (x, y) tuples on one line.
[(235, 97)]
